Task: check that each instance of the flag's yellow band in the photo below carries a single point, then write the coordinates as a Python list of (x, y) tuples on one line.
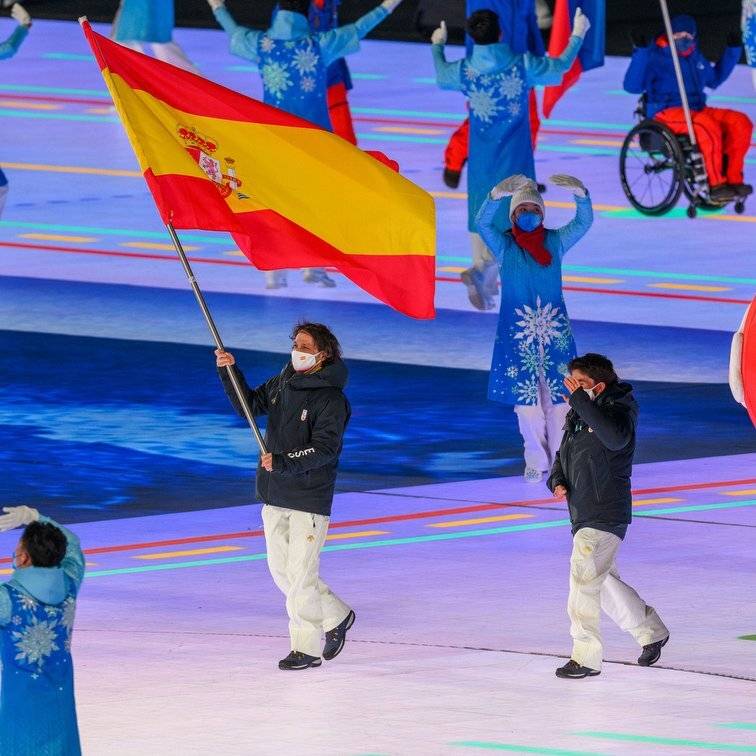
[(302, 173)]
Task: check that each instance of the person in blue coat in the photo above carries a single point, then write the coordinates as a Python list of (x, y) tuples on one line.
[(293, 64), (37, 609), (719, 132), (497, 82), (749, 35), (534, 342), (7, 50), (140, 22)]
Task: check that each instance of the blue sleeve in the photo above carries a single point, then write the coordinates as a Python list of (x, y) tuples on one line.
[(497, 242), (73, 562), (243, 41), (9, 48), (577, 228), (635, 76), (448, 75), (345, 40), (718, 73), (6, 608), (540, 69)]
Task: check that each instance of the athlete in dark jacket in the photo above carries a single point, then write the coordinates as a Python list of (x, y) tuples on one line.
[(593, 469), (307, 415)]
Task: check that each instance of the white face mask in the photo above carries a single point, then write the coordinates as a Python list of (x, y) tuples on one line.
[(303, 361), (592, 393)]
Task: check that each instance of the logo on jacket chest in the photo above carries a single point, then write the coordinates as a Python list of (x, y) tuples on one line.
[(303, 416)]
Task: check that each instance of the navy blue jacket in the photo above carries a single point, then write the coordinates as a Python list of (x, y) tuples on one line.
[(651, 71)]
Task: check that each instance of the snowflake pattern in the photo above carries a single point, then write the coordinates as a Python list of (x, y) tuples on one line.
[(527, 391), (28, 603), (483, 105), (305, 60), (562, 368), (511, 85), (514, 109), (470, 73), (69, 614), (563, 342), (276, 79), (267, 45), (36, 642), (307, 84), (512, 371), (749, 30), (539, 325)]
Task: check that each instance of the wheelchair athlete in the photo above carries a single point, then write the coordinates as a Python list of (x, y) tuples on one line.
[(724, 136)]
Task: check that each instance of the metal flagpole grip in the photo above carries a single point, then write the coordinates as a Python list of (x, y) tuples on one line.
[(698, 163), (216, 336)]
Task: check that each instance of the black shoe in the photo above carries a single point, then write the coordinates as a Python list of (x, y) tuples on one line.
[(336, 638), (722, 193), (652, 653), (573, 671), (451, 178), (742, 190), (541, 188), (298, 660)]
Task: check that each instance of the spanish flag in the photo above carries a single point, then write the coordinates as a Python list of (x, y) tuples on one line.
[(291, 194)]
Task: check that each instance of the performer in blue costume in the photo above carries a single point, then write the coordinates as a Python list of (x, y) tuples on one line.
[(7, 50), (37, 609), (140, 22), (534, 342), (293, 64), (496, 82)]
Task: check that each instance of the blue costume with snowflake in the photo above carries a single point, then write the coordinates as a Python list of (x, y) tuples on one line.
[(37, 608), (533, 339), (7, 50), (293, 61), (749, 31), (144, 21), (497, 82)]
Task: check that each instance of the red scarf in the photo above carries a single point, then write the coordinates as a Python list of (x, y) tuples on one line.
[(533, 243)]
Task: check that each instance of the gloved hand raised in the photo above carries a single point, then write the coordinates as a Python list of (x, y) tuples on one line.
[(21, 15), (17, 517), (216, 4), (575, 185), (510, 185), (581, 24), (440, 35), (390, 5)]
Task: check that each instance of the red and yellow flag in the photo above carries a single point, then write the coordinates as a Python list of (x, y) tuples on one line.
[(291, 194)]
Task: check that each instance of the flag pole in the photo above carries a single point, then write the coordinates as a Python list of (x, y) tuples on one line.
[(216, 337)]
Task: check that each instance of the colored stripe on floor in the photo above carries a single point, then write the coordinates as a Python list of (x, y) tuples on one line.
[(156, 245), (740, 725), (744, 492), (361, 534), (516, 748), (698, 508), (189, 552), (645, 502), (60, 237), (679, 742), (478, 520), (70, 169), (689, 287)]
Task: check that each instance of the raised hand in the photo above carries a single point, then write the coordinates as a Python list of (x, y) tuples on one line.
[(510, 185), (21, 15), (440, 35), (575, 185), (17, 517), (581, 24)]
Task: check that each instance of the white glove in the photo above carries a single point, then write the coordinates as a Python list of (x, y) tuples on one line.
[(17, 517), (440, 35), (581, 24), (216, 4), (509, 186), (389, 5), (21, 15), (575, 185)]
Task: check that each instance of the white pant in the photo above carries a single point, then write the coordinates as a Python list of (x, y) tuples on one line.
[(594, 585), (278, 277), (481, 254), (294, 540), (170, 52), (541, 427)]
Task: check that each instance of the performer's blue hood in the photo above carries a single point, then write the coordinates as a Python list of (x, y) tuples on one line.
[(289, 25), (46, 584), (685, 23)]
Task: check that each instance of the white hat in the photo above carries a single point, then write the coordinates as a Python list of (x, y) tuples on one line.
[(527, 193)]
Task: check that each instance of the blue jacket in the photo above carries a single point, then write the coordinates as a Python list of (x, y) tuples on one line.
[(651, 71), (144, 21), (9, 48)]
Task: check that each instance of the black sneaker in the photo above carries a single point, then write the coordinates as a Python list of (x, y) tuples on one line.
[(336, 638), (574, 671), (652, 653), (298, 660), (451, 178), (722, 193)]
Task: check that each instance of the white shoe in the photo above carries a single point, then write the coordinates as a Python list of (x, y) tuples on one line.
[(318, 276), (275, 279), (532, 475)]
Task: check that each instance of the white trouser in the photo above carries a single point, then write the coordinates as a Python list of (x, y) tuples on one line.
[(170, 52), (3, 197), (481, 254), (594, 585), (279, 276), (294, 540), (541, 427)]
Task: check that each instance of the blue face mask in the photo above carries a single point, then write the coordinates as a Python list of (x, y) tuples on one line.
[(684, 45), (528, 221)]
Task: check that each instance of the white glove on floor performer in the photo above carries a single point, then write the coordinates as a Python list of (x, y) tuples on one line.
[(575, 185), (509, 186), (17, 517), (390, 5), (21, 15), (581, 24)]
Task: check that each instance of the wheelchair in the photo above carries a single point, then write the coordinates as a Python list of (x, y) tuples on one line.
[(657, 166)]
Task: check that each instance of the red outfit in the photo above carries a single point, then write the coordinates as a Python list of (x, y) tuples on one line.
[(457, 150), (720, 133), (338, 110), (534, 243)]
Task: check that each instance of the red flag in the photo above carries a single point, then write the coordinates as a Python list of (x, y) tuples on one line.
[(560, 36)]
